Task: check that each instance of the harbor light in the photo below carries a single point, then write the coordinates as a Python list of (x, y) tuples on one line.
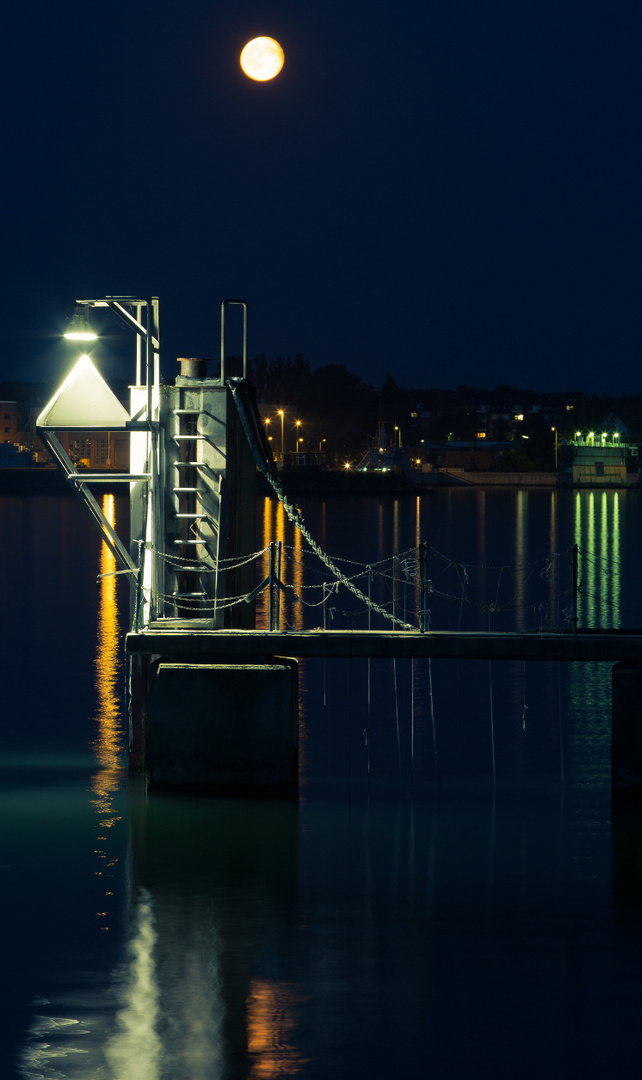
[(80, 328)]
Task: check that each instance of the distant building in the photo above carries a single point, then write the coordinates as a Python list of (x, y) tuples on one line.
[(302, 459), (8, 422), (595, 461), (97, 450), (469, 458)]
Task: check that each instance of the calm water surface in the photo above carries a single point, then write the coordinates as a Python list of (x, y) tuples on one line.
[(407, 916)]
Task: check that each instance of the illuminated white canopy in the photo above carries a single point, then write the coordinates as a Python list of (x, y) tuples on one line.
[(84, 401)]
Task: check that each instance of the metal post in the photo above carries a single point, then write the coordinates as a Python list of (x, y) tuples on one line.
[(224, 306), (138, 348), (395, 586), (279, 547), (423, 573), (575, 587), (271, 587), (152, 375)]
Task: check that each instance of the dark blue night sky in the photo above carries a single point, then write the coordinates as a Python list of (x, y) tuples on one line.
[(450, 193)]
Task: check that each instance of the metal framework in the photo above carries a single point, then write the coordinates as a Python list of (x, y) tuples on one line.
[(145, 394), (186, 442)]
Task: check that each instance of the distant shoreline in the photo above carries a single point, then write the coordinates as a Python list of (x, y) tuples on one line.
[(347, 482), (322, 482)]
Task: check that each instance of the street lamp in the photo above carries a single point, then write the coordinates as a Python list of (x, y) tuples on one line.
[(555, 430), (280, 412), (80, 328)]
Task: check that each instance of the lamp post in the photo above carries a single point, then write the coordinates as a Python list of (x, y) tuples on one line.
[(554, 429), (280, 412)]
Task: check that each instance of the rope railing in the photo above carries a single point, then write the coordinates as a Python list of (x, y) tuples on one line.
[(447, 581), (296, 518), (535, 590)]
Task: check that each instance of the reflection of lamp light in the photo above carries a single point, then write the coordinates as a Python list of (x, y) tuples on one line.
[(108, 745), (80, 328)]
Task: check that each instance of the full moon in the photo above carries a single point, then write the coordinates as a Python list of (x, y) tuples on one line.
[(262, 58)]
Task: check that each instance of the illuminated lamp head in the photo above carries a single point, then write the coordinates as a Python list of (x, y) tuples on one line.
[(80, 328)]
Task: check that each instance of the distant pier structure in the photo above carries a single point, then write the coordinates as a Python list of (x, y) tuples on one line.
[(213, 702), (226, 725)]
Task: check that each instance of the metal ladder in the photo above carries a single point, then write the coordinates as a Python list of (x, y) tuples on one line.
[(189, 511)]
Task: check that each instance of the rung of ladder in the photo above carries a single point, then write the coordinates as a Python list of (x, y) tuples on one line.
[(190, 542), (196, 517), (189, 595), (188, 491), (187, 412), (189, 438)]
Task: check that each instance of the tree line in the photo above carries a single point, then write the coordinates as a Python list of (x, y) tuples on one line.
[(342, 414)]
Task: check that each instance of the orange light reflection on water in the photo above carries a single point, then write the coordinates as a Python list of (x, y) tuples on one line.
[(270, 1028), (276, 528), (108, 744)]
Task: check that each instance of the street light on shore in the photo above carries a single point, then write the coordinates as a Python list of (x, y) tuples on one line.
[(281, 414)]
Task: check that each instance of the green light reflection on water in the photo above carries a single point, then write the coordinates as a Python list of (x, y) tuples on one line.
[(588, 700)]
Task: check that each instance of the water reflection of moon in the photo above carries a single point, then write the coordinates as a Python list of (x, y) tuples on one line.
[(262, 58)]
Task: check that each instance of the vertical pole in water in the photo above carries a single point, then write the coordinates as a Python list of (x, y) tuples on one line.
[(432, 718), (394, 661), (575, 585), (324, 660), (412, 725), (368, 673), (561, 730), (492, 717), (369, 628), (394, 671)]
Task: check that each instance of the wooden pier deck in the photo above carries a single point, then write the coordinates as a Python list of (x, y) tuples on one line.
[(245, 645)]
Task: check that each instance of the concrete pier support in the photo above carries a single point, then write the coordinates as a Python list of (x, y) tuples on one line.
[(223, 728), (626, 737)]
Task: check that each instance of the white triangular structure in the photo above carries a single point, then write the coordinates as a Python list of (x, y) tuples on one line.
[(84, 401)]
